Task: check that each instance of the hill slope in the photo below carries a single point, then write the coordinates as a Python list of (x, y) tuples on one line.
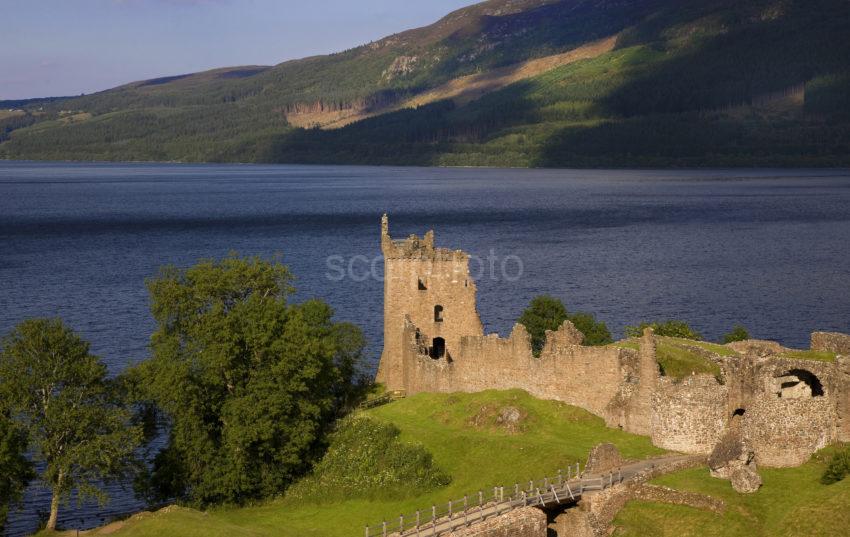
[(503, 82)]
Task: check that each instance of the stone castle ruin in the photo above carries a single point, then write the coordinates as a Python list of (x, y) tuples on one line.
[(782, 404)]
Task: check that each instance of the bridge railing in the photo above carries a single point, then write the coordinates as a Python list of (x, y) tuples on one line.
[(567, 485)]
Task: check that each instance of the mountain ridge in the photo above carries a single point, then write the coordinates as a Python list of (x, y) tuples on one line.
[(475, 88)]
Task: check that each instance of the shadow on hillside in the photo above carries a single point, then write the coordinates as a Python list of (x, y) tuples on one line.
[(672, 111)]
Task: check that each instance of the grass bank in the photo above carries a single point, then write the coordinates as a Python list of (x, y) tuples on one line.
[(792, 502), (468, 440)]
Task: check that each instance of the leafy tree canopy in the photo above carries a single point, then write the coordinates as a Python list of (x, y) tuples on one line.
[(248, 383), (671, 328), (15, 470), (60, 395), (548, 313)]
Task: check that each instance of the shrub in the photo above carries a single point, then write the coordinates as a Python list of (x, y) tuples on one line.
[(365, 459), (838, 468), (738, 333), (670, 328)]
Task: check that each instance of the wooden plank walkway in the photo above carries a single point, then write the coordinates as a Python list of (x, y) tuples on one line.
[(561, 489)]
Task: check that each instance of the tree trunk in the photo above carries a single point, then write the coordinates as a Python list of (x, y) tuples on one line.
[(54, 503)]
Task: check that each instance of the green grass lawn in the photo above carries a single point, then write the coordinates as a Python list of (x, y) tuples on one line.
[(792, 502), (477, 455)]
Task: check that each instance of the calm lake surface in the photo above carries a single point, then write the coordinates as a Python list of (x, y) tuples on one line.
[(769, 249)]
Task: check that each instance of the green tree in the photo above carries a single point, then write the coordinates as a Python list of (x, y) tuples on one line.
[(671, 328), (738, 333), (60, 395), (15, 470), (548, 313), (544, 313), (249, 384)]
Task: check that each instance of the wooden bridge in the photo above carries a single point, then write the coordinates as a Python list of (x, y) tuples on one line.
[(568, 486)]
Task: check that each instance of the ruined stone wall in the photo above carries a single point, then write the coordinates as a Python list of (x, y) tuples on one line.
[(635, 412), (587, 377), (785, 432), (689, 416), (417, 279), (785, 407), (784, 426), (831, 342), (841, 396)]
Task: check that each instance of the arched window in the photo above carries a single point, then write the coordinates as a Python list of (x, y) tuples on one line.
[(422, 286), (438, 314)]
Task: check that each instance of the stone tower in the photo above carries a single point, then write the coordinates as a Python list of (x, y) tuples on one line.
[(430, 286)]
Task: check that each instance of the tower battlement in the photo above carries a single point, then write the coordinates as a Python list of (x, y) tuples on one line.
[(415, 247)]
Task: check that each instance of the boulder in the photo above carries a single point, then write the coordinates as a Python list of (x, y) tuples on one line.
[(732, 459), (745, 479)]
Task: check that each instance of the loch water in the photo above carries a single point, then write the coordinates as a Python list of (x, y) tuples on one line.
[(769, 249)]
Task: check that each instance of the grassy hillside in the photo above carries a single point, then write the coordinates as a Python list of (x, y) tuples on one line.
[(467, 442), (792, 502), (678, 82)]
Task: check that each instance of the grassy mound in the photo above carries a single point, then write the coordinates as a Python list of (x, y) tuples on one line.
[(366, 460), (792, 502), (678, 359), (469, 438)]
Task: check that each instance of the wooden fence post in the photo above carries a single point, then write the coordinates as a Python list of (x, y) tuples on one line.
[(560, 477), (367, 531), (450, 509), (480, 498), (400, 524), (384, 531), (465, 504), (417, 522)]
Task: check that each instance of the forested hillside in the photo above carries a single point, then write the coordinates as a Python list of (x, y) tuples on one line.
[(504, 83)]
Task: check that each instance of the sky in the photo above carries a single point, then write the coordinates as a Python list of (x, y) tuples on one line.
[(69, 47)]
